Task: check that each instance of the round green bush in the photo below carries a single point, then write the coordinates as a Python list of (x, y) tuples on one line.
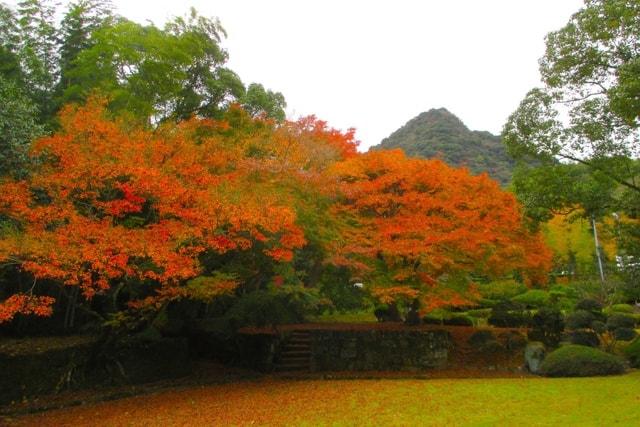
[(584, 337), (616, 321), (622, 308), (580, 361), (599, 327), (547, 326), (534, 298), (590, 305), (624, 334), (579, 319), (633, 353)]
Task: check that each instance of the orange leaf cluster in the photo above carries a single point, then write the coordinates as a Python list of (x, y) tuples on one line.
[(113, 203), (427, 222), (25, 304)]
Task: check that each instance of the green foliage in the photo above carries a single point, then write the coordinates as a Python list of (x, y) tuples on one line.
[(580, 319), (438, 133), (580, 361), (624, 334), (344, 296), (349, 317), (585, 115), (622, 308), (289, 304), (148, 73), (590, 305), (458, 320), (547, 326), (76, 33), (616, 321), (257, 101), (509, 314), (501, 289), (18, 127), (480, 313), (533, 298), (584, 337), (553, 188), (632, 352)]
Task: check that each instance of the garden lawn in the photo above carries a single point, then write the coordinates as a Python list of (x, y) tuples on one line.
[(526, 401)]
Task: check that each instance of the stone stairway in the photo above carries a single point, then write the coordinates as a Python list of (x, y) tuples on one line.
[(295, 355)]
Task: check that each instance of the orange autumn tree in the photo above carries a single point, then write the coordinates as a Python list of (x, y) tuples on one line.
[(421, 229), (107, 203)]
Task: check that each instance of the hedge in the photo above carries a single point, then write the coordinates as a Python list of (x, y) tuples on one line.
[(580, 361)]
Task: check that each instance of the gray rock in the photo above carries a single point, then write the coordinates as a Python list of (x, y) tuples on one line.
[(534, 354)]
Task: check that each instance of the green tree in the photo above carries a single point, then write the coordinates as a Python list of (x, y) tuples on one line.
[(257, 100), (9, 39), (18, 127), (165, 74), (588, 110), (37, 51), (82, 19)]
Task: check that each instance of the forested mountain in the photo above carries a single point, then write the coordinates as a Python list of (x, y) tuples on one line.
[(439, 133)]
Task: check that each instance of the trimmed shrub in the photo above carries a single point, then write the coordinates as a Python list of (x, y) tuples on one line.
[(589, 305), (509, 314), (580, 361), (584, 337), (599, 327), (622, 308), (534, 298), (547, 326), (486, 302), (502, 289), (458, 320), (633, 353), (580, 319), (388, 313), (616, 321), (432, 320), (436, 317), (624, 334), (479, 313)]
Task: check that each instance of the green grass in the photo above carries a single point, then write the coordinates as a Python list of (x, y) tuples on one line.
[(477, 402)]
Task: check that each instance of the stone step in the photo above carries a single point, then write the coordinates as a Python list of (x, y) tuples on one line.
[(297, 346), (292, 367), (296, 352), (293, 359), (300, 339), (299, 335)]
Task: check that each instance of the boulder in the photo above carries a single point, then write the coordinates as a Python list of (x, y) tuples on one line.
[(534, 354)]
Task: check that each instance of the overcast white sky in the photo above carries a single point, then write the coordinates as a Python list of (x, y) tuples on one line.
[(374, 65)]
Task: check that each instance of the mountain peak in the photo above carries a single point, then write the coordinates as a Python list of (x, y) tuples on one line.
[(440, 133), (439, 116)]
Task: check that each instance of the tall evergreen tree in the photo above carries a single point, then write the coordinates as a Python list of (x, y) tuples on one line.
[(38, 52), (82, 19)]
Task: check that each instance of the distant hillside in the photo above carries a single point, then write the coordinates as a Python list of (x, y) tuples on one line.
[(438, 133)]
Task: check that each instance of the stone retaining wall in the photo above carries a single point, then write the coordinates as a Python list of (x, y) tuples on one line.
[(379, 350)]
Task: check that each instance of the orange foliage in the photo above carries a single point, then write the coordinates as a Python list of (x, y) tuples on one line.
[(429, 225), (25, 304), (110, 203)]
